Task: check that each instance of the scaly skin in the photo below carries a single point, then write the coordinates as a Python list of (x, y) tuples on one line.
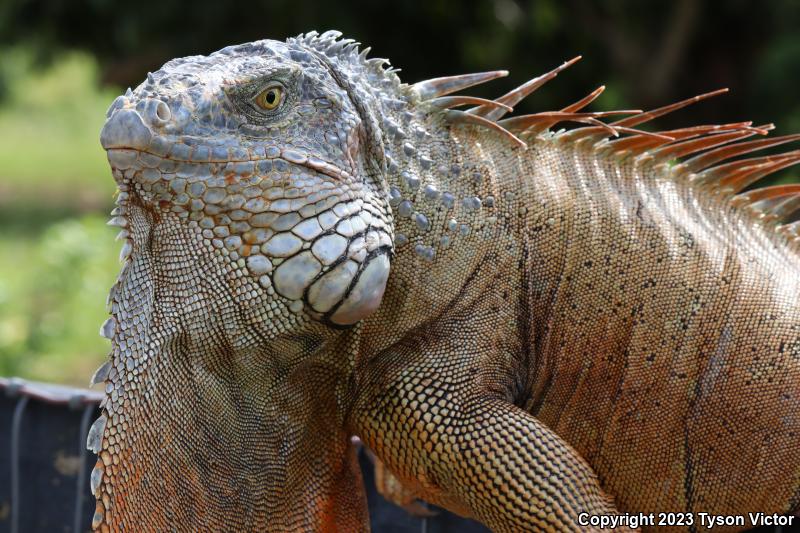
[(518, 335)]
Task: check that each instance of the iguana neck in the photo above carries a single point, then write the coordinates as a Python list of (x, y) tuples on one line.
[(455, 221)]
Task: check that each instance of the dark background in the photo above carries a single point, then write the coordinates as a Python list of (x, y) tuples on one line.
[(646, 52)]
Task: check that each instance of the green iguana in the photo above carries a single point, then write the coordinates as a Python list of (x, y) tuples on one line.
[(528, 326)]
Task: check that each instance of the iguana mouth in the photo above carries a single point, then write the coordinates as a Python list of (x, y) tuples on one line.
[(125, 158)]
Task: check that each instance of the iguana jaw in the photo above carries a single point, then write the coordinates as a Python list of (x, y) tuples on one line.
[(343, 273)]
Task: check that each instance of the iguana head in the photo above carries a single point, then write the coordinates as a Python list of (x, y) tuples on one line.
[(265, 158)]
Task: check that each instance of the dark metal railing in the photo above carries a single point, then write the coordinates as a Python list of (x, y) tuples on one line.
[(68, 443)]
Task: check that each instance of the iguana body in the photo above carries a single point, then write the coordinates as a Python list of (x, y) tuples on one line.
[(314, 250)]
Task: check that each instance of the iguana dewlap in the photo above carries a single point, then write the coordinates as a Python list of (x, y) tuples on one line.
[(522, 324)]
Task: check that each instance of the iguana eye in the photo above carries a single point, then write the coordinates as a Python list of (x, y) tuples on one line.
[(270, 98)]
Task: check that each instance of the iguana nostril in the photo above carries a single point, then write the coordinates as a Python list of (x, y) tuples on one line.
[(160, 113), (157, 113)]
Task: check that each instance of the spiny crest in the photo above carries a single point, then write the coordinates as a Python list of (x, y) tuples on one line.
[(346, 51), (710, 146)]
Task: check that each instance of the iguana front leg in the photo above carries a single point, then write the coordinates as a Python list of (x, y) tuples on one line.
[(473, 452)]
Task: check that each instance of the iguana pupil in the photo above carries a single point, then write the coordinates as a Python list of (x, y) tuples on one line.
[(269, 98)]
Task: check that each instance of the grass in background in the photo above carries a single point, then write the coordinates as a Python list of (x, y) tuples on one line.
[(57, 256)]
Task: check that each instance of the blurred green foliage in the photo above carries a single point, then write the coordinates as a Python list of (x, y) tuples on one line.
[(49, 124), (57, 256), (62, 63), (53, 286)]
